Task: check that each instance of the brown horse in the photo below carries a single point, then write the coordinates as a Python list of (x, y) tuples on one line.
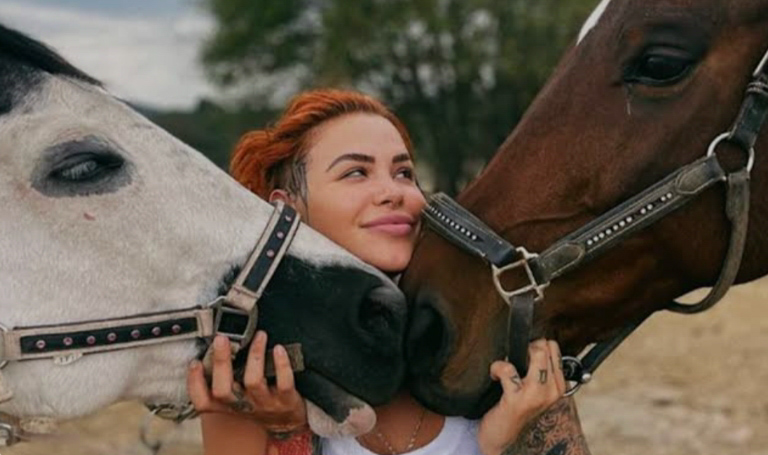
[(644, 91)]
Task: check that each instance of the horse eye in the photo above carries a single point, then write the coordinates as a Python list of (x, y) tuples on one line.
[(659, 69), (86, 167)]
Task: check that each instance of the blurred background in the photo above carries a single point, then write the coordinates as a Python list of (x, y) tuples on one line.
[(460, 73)]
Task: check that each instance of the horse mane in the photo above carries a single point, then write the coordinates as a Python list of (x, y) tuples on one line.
[(19, 48)]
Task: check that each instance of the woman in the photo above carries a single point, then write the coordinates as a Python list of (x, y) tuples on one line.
[(345, 163)]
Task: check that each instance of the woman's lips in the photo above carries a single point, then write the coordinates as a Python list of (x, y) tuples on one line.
[(393, 229), (393, 224)]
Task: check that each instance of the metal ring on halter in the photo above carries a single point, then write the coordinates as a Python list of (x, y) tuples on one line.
[(156, 445), (8, 434), (726, 137), (152, 446), (572, 368), (761, 66), (173, 412)]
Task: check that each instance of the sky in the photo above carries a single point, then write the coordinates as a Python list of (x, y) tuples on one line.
[(145, 51)]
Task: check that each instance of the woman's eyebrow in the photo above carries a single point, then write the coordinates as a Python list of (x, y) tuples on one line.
[(359, 157), (401, 157)]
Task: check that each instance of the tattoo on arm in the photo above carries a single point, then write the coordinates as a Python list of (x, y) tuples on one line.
[(555, 432)]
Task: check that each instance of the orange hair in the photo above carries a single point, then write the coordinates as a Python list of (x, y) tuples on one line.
[(262, 159)]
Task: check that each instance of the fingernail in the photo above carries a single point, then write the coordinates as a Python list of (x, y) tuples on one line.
[(194, 365), (261, 336), (280, 350), (219, 342)]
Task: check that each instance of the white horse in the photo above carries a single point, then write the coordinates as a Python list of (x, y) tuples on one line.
[(104, 215)]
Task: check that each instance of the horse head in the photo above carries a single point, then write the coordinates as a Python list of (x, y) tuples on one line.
[(106, 216), (644, 91)]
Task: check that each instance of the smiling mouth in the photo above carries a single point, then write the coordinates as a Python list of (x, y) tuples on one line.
[(396, 229)]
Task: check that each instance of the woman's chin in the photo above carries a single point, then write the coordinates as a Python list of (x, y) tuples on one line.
[(389, 264)]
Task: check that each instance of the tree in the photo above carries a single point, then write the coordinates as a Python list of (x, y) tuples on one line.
[(209, 128), (459, 72)]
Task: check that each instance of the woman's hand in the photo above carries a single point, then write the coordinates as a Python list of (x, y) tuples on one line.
[(523, 399), (279, 408)]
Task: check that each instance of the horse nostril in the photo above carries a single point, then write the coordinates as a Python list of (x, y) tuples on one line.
[(428, 340), (381, 318)]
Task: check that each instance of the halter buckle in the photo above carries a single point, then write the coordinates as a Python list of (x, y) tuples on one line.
[(223, 309), (524, 264)]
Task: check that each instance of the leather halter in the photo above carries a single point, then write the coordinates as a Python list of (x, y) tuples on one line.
[(457, 225), (234, 315)]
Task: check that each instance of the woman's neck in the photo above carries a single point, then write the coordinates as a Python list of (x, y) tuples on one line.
[(402, 424)]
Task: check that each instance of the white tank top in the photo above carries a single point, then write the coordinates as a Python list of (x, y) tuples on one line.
[(458, 437)]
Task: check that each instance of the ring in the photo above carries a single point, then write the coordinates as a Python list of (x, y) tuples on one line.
[(542, 376)]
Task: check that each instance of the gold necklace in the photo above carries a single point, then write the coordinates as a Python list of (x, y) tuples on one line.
[(411, 441)]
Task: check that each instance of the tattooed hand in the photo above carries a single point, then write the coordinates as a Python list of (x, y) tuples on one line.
[(523, 399), (278, 408), (556, 432)]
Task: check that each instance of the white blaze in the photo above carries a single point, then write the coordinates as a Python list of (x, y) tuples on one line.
[(593, 19)]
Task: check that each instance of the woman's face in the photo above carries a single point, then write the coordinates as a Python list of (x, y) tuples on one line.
[(361, 190)]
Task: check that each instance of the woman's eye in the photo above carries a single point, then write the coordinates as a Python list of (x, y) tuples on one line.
[(405, 173), (355, 173), (660, 69)]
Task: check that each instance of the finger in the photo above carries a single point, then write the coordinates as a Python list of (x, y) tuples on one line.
[(507, 375), (557, 366), (221, 384), (241, 403), (198, 390), (283, 370), (254, 379), (539, 363)]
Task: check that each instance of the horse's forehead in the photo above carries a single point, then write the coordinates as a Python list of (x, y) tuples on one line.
[(593, 19), (639, 11), (58, 109), (702, 18), (59, 94)]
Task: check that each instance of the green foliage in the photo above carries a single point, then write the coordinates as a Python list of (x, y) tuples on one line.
[(458, 72), (209, 128)]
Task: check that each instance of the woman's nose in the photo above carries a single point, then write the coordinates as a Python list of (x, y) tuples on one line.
[(390, 193)]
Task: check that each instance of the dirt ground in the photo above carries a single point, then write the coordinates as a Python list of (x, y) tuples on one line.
[(680, 385)]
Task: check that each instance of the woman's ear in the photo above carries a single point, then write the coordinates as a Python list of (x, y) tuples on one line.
[(281, 195), (296, 203)]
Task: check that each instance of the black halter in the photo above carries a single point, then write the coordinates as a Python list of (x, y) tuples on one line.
[(456, 224)]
